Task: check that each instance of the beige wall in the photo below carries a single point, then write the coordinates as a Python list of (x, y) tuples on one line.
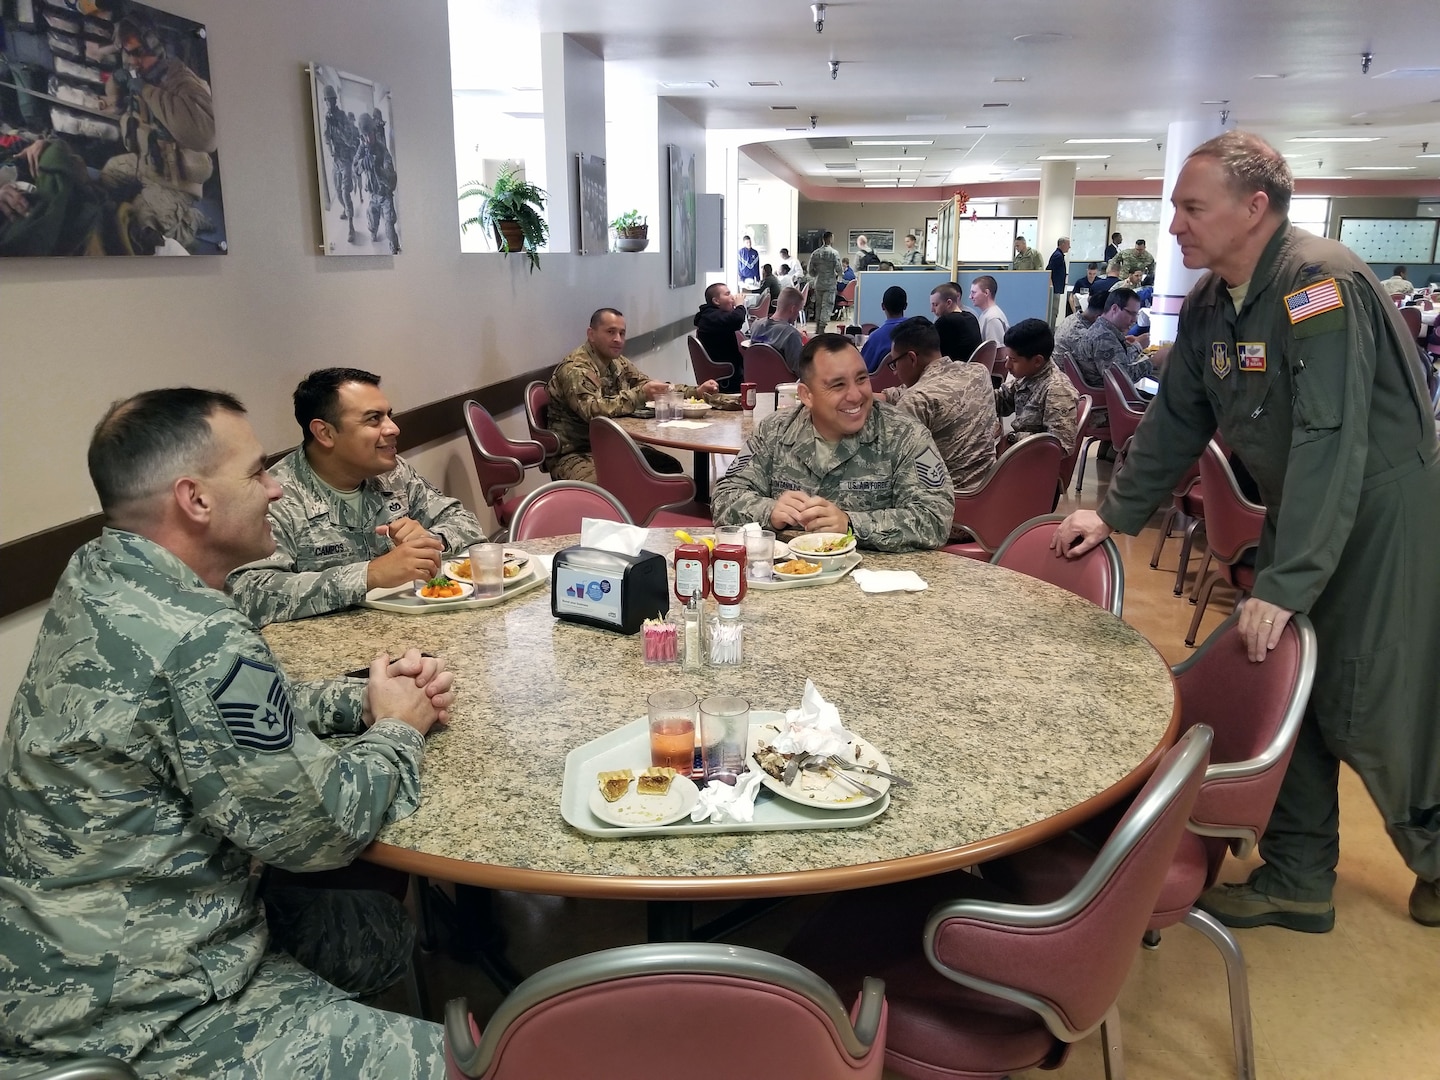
[(433, 322)]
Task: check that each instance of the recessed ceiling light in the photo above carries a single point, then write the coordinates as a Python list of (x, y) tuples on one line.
[(1008, 79), (708, 84), (1043, 37), (1072, 157), (1098, 141), (1216, 101), (1379, 168), (1271, 75), (782, 108), (1336, 138), (892, 142), (1152, 178), (802, 128), (925, 118), (765, 82), (840, 165), (881, 183), (995, 105)]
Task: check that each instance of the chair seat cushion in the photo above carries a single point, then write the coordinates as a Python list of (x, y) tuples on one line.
[(1242, 575), (1192, 503), (969, 550), (685, 516), (531, 455)]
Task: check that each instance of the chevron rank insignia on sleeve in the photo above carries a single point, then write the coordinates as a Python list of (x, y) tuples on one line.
[(930, 469), (252, 701)]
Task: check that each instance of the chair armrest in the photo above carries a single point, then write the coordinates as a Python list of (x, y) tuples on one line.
[(871, 1010)]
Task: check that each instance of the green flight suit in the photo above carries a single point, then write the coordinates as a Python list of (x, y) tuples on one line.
[(1328, 411)]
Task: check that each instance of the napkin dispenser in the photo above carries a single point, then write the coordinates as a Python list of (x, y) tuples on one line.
[(608, 589)]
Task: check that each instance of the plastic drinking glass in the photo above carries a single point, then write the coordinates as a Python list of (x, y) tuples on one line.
[(487, 570), (760, 554), (672, 730), (724, 736)]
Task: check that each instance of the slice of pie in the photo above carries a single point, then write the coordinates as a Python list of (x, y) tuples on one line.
[(655, 780), (615, 783)]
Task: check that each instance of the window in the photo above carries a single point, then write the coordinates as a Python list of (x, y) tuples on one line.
[(1311, 214)]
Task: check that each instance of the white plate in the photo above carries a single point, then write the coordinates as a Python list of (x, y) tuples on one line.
[(635, 811), (831, 571), (805, 544), (465, 590), (837, 794), (513, 557)]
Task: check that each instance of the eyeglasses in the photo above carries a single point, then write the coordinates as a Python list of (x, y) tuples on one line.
[(894, 362)]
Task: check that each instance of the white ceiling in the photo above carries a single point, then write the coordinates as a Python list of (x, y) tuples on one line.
[(925, 69)]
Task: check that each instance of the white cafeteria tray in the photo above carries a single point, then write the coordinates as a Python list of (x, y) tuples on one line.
[(629, 748), (405, 602), (833, 568)]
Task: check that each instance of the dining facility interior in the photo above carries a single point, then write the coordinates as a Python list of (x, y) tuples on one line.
[(872, 122)]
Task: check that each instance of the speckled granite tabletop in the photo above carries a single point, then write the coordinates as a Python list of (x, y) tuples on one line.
[(1006, 700)]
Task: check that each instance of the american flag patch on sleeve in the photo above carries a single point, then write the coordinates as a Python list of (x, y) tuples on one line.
[(1313, 300)]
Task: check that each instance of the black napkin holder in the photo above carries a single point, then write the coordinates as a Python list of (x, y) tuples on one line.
[(607, 589)]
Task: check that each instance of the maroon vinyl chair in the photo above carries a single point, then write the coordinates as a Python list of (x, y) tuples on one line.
[(706, 369), (1098, 575), (500, 462), (1232, 529), (1018, 487), (982, 983), (845, 301), (537, 417), (1125, 415), (597, 1016), (557, 508), (985, 354), (1098, 429), (1411, 315), (1255, 711), (1187, 514), (884, 378), (765, 367), (1083, 407), (661, 500)]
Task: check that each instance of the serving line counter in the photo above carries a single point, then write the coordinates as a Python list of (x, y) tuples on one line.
[(1015, 708)]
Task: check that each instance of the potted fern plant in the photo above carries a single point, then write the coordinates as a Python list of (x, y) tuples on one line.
[(631, 231), (513, 209)]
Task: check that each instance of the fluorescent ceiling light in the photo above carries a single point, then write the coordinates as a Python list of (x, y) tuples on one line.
[(901, 158), (1152, 178), (1272, 75), (1216, 101), (1008, 79), (765, 82), (977, 125), (926, 118), (782, 108), (892, 142), (796, 129), (1378, 168), (1072, 157), (1336, 138), (995, 105), (708, 84), (1098, 141), (1427, 155), (887, 172)]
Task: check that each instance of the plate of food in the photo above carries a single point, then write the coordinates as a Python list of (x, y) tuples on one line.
[(822, 785), (797, 567), (823, 545), (635, 799), (443, 588), (518, 567), (694, 407)]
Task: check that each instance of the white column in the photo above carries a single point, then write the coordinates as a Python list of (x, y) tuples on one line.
[(1057, 211), (1172, 281), (574, 92)]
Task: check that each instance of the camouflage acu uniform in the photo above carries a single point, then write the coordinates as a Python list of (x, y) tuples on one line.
[(956, 403), (155, 751), (323, 548), (1044, 401), (1103, 345), (1135, 259), (824, 270), (888, 478), (1068, 334), (586, 385), (1028, 260)]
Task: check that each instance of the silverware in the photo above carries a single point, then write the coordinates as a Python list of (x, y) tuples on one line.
[(792, 769), (814, 760), (841, 763)]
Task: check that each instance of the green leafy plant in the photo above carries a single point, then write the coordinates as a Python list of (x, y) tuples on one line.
[(510, 199), (628, 221)]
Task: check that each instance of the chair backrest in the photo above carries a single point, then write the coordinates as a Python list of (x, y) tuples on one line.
[(587, 1016), (621, 469), (846, 295), (1018, 487), (1083, 407), (498, 472), (705, 368), (1232, 522), (1127, 386), (1255, 712), (1067, 960), (884, 378), (869, 327), (1125, 417), (537, 416), (984, 353), (88, 1068), (557, 508), (765, 367), (1411, 315), (1098, 575)]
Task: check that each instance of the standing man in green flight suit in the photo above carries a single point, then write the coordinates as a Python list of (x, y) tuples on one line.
[(1290, 348)]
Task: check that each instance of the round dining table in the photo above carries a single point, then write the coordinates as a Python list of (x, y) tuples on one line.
[(1015, 708), (718, 431)]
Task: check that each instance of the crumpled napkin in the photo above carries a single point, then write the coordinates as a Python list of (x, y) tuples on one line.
[(814, 728), (688, 424), (612, 536), (720, 802), (881, 581)]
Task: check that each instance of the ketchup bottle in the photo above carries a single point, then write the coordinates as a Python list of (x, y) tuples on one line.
[(692, 570), (729, 575)]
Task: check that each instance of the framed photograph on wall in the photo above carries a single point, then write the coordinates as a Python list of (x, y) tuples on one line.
[(355, 156), (110, 131), (682, 216), (594, 204), (880, 241), (759, 237)]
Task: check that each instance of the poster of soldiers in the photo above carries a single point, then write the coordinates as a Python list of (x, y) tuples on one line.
[(355, 152), (107, 132)]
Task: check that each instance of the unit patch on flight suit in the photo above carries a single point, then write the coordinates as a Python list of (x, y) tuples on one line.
[(1220, 359), (1252, 355)]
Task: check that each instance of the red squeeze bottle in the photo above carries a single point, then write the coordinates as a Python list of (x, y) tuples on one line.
[(692, 570), (728, 585)]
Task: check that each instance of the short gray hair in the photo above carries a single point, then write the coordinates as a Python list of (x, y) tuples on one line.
[(1250, 165)]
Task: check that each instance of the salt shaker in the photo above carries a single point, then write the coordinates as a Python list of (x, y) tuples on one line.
[(691, 656)]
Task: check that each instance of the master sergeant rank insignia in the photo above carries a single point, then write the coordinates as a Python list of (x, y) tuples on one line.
[(1220, 359), (930, 469), (251, 700)]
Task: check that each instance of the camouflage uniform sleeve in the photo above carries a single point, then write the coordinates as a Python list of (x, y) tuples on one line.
[(578, 386), (744, 492), (1060, 414), (924, 497), (893, 394), (447, 518), (274, 590), (331, 706), (254, 768), (1005, 398)]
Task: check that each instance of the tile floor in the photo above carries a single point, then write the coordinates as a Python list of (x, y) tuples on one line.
[(1361, 1003)]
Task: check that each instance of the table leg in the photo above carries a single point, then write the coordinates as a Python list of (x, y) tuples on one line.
[(669, 920), (702, 477)]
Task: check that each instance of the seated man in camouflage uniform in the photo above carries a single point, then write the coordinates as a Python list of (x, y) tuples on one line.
[(1106, 342), (597, 380), (840, 460), (1040, 396), (156, 753), (356, 515)]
